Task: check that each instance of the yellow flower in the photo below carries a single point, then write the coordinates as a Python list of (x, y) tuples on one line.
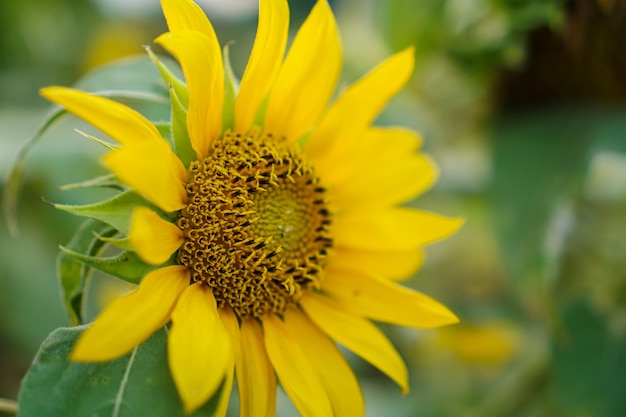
[(284, 233)]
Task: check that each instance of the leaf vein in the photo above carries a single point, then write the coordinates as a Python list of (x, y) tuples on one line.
[(120, 391)]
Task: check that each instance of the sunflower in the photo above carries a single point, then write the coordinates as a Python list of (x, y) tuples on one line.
[(276, 232)]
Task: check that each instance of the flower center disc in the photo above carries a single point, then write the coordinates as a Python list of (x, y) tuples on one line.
[(256, 228)]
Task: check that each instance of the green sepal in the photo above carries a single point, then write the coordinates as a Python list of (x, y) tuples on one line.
[(104, 181), (138, 383), (231, 89), (121, 243), (73, 274), (116, 211), (170, 79), (126, 266), (259, 117), (99, 141), (164, 128), (180, 133)]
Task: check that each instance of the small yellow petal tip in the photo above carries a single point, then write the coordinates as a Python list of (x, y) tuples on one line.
[(54, 93)]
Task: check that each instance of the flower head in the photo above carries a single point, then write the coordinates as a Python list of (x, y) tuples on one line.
[(273, 233)]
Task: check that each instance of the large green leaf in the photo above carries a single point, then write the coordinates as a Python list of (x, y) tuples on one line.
[(72, 273), (138, 384), (137, 73)]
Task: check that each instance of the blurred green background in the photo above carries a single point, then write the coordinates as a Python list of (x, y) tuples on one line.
[(522, 104)]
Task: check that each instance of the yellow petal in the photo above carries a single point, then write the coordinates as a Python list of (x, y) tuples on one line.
[(199, 347), (186, 15), (359, 105), (121, 123), (296, 375), (264, 63), (255, 374), (150, 169), (231, 324), (386, 185), (378, 147), (392, 229), (342, 387), (393, 265), (153, 238), (357, 334), (131, 319), (201, 60), (232, 327), (308, 76), (382, 300)]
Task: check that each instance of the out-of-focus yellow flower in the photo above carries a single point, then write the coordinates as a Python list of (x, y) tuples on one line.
[(492, 344)]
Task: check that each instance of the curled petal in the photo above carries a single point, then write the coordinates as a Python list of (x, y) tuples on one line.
[(153, 238), (152, 170), (201, 60), (186, 15)]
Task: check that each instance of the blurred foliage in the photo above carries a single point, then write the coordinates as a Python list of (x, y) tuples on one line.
[(521, 103), (480, 36), (41, 41)]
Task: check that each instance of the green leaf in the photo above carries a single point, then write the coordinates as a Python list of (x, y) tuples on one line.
[(117, 211), (136, 73), (73, 274), (126, 266), (138, 384), (180, 133)]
